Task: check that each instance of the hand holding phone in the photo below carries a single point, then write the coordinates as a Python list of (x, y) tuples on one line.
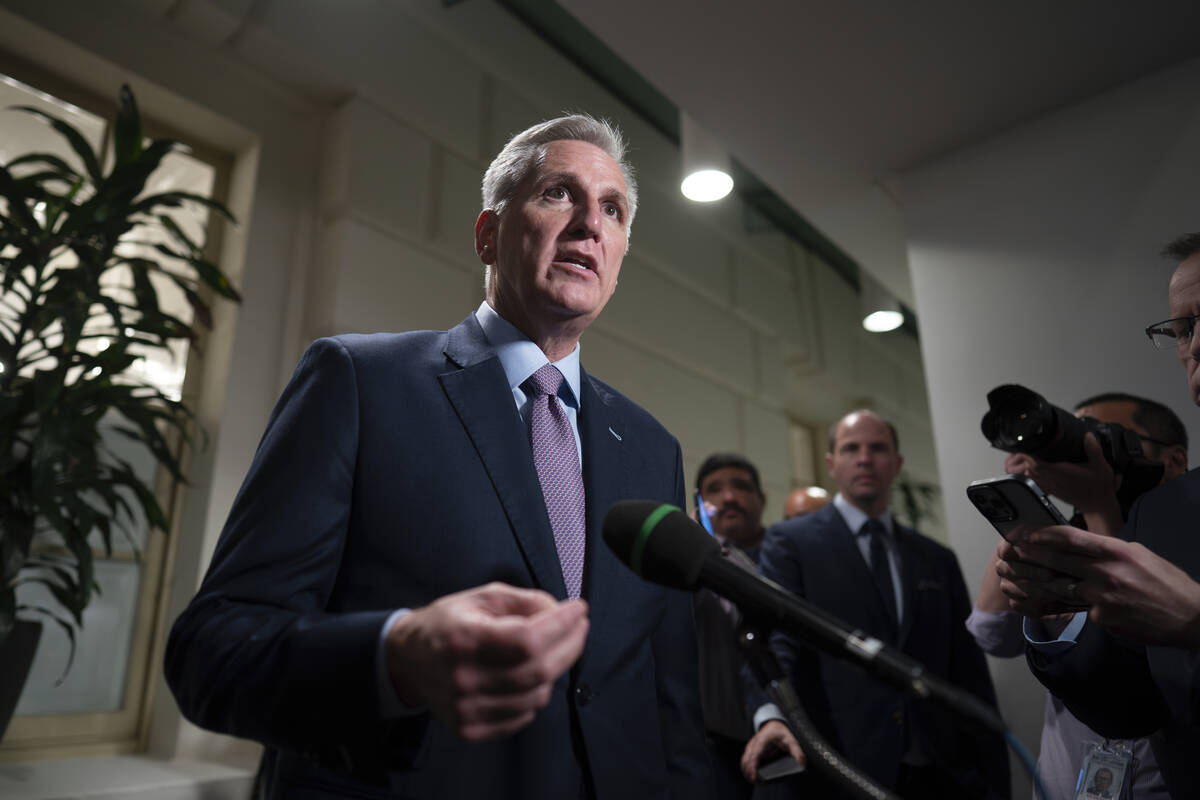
[(778, 768), (1013, 501), (702, 515)]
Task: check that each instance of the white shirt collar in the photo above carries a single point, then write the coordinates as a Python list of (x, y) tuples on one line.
[(520, 357), (855, 517)]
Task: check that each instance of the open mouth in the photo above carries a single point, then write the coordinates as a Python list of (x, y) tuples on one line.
[(577, 260)]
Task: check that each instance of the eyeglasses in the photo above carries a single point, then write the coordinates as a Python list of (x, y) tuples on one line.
[(1152, 440), (1172, 333)]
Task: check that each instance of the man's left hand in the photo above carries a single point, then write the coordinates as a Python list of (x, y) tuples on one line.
[(1033, 589), (772, 738), (1130, 590)]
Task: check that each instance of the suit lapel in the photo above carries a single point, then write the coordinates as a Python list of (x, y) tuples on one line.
[(845, 551), (908, 560), (605, 480), (478, 390)]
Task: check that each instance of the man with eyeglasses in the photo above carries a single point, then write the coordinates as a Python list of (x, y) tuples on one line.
[(1139, 640), (1091, 488)]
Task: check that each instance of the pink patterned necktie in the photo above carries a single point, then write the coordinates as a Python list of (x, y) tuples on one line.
[(556, 458)]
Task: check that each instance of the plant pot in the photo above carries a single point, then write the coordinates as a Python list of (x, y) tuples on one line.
[(16, 657)]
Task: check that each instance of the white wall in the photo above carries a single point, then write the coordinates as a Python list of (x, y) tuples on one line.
[(1035, 260)]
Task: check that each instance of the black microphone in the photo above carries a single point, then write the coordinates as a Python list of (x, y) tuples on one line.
[(663, 545)]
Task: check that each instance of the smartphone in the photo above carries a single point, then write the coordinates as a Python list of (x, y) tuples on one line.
[(779, 768), (1012, 501), (702, 515)]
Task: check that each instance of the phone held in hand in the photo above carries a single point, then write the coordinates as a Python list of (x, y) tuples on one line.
[(1013, 501), (702, 514), (778, 768)]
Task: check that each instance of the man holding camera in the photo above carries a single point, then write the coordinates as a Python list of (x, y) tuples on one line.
[(1091, 488), (1141, 635)]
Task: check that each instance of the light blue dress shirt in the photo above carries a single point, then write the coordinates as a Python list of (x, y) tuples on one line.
[(520, 358), (1038, 636)]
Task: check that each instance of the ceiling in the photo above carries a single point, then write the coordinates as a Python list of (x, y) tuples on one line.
[(829, 103)]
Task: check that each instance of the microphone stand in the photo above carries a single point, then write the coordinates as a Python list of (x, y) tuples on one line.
[(817, 750), (820, 630)]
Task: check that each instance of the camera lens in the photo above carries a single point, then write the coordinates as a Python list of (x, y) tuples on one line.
[(1018, 420)]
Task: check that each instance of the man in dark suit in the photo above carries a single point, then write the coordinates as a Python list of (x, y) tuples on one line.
[(1130, 664), (410, 597), (854, 560), (732, 494)]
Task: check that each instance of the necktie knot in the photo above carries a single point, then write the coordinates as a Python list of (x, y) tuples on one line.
[(546, 381), (873, 528)]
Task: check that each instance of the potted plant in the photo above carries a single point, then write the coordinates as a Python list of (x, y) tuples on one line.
[(84, 253), (918, 501)]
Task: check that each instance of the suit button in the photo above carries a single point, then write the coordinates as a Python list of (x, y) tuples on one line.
[(898, 716), (583, 694)]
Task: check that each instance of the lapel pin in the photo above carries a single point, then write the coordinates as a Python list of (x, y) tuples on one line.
[(616, 435)]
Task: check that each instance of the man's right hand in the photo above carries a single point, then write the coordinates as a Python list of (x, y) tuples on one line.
[(1130, 590), (772, 738), (1090, 486), (483, 661)]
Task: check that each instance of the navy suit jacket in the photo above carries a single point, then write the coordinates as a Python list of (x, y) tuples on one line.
[(865, 720), (1126, 690), (395, 470)]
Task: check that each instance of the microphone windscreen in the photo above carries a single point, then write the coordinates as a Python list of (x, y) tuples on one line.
[(658, 542)]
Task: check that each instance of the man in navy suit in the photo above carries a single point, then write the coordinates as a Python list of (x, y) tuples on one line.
[(387, 609), (854, 560)]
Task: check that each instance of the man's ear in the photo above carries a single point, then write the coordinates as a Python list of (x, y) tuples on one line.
[(1175, 458), (486, 227)]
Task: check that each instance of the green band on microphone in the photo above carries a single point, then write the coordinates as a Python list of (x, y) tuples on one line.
[(639, 544)]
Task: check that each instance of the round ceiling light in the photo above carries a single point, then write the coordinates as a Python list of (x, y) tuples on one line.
[(706, 185), (883, 321)]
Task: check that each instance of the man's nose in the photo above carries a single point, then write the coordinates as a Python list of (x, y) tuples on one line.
[(586, 222)]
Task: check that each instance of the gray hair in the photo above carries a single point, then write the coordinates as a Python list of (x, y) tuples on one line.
[(527, 149)]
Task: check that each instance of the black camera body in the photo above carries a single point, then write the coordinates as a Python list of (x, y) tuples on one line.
[(1020, 420)]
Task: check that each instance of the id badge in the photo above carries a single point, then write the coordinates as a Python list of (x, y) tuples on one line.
[(1102, 775)]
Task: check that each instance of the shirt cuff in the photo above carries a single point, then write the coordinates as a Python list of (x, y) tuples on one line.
[(998, 633), (390, 704), (766, 713), (1038, 637)]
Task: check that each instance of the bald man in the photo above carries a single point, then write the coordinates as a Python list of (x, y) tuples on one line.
[(805, 500)]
